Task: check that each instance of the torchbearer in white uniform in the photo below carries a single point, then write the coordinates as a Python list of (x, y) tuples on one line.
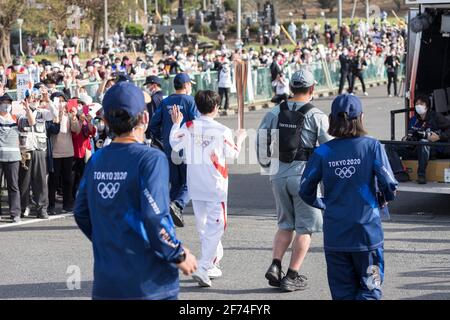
[(206, 145)]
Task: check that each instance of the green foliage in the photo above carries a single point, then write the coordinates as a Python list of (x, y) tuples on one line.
[(134, 29), (230, 5), (327, 4), (232, 28)]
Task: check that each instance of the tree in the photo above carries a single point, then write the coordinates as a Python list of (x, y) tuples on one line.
[(327, 4), (10, 10), (398, 4)]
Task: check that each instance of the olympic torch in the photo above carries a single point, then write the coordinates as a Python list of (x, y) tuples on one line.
[(241, 70)]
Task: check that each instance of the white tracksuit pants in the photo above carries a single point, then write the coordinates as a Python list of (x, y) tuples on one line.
[(211, 221)]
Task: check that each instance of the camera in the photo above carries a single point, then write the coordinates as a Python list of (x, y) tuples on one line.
[(418, 134)]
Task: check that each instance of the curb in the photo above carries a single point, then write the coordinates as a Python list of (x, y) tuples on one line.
[(13, 225), (264, 104)]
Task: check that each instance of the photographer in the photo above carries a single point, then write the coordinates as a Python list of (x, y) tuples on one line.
[(282, 91), (359, 64), (426, 125), (392, 63), (33, 129), (82, 141)]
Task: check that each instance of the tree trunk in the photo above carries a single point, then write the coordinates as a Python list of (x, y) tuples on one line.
[(95, 36), (5, 52)]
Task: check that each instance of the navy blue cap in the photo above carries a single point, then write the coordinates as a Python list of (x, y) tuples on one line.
[(347, 103), (124, 96), (121, 77), (6, 97), (58, 94), (152, 79), (181, 79)]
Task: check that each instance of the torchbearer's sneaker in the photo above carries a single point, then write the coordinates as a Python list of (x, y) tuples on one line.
[(201, 276), (214, 272), (298, 283)]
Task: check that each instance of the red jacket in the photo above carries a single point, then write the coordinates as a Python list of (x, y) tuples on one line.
[(81, 141)]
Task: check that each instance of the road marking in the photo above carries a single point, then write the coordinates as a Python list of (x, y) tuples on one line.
[(11, 225)]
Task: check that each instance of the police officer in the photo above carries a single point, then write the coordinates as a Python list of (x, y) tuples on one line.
[(153, 86), (160, 127), (10, 154), (123, 207), (286, 138), (345, 72), (352, 168)]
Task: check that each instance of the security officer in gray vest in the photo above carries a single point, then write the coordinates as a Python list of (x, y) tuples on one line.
[(33, 168), (286, 138)]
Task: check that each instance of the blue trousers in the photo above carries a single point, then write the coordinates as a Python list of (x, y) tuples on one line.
[(178, 186), (355, 275)]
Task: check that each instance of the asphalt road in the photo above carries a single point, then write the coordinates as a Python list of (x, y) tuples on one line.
[(38, 258)]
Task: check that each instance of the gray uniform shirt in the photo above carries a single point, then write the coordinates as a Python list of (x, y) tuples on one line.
[(314, 132), (9, 141)]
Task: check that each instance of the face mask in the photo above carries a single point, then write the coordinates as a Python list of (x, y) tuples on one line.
[(75, 61), (16, 68), (5, 108), (421, 109), (90, 69)]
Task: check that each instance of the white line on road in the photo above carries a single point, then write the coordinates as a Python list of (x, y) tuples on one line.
[(59, 216)]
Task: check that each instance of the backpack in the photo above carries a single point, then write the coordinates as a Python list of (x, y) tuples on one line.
[(290, 126)]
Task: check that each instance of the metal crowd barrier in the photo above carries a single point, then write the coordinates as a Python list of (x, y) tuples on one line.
[(259, 86)]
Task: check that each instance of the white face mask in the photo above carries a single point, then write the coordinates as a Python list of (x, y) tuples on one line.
[(421, 109), (5, 108)]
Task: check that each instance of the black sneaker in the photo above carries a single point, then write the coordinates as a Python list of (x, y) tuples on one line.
[(67, 210), (274, 275), (42, 215), (177, 214), (421, 180), (51, 211), (299, 283), (402, 176)]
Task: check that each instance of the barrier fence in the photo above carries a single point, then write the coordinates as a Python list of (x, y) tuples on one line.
[(259, 86)]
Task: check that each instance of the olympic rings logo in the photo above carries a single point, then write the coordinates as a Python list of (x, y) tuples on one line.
[(108, 190), (345, 172)]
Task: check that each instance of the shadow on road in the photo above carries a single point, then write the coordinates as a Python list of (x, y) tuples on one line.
[(48, 290), (196, 289), (39, 228), (439, 285)]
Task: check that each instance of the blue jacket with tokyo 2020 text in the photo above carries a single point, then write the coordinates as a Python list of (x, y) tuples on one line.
[(122, 206), (349, 169)]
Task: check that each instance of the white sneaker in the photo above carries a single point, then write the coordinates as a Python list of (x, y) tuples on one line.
[(366, 94), (390, 96), (214, 272), (201, 276), (26, 213)]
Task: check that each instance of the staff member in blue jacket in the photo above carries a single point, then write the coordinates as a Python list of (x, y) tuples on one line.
[(352, 168), (160, 127), (122, 206)]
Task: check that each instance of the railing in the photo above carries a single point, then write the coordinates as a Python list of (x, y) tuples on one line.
[(259, 86)]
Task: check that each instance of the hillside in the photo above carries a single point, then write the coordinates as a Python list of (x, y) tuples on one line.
[(313, 9)]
